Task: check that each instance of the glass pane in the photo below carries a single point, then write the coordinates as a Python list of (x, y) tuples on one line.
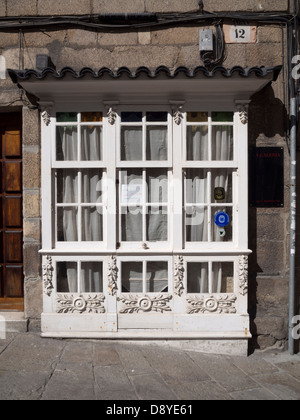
[(66, 117), (66, 143), (66, 277), (197, 277), (196, 186), (91, 143), (196, 221), (222, 224), (222, 116), (222, 142), (197, 117), (91, 187), (132, 224), (157, 276), (157, 224), (157, 184), (67, 186), (91, 278), (222, 277), (197, 143), (132, 277), (157, 143), (157, 116), (131, 143), (127, 117), (67, 224), (92, 224), (221, 184), (91, 117), (132, 186)]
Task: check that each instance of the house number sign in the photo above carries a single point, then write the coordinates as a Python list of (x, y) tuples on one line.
[(240, 34)]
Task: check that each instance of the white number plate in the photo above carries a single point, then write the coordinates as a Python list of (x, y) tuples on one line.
[(240, 34)]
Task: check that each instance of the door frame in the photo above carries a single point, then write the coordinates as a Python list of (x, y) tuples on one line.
[(12, 121)]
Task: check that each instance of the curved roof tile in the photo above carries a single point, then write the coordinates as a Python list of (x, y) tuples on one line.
[(21, 75)]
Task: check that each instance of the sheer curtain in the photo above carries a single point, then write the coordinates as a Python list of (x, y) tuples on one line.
[(131, 143), (137, 193), (91, 143), (222, 142), (156, 184), (197, 214), (92, 226), (197, 274), (156, 143), (196, 192), (197, 143), (68, 192), (91, 277)]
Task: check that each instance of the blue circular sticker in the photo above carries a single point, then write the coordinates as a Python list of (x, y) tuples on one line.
[(222, 219)]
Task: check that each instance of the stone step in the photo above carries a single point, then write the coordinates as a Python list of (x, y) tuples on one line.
[(13, 322)]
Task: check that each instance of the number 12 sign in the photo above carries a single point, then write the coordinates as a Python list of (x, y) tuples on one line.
[(240, 34)]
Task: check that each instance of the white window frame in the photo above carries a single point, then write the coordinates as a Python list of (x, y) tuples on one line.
[(144, 163), (196, 252), (144, 260), (145, 246)]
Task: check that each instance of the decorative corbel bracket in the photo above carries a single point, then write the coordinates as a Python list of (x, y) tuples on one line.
[(177, 111), (111, 107), (112, 275), (178, 275), (48, 275), (243, 274), (46, 108), (243, 107)]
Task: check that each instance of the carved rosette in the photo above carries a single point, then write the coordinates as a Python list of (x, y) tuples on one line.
[(80, 304), (222, 304), (178, 275), (48, 276), (136, 304), (112, 276), (243, 274)]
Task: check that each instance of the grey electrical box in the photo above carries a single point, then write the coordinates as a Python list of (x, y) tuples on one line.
[(206, 40)]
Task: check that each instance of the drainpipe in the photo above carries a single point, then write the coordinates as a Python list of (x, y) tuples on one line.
[(293, 178), (293, 136)]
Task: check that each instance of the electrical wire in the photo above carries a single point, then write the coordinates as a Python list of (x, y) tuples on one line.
[(155, 20)]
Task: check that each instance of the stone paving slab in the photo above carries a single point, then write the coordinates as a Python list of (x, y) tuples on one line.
[(35, 368)]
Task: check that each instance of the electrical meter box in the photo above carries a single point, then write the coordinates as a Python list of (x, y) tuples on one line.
[(206, 40)]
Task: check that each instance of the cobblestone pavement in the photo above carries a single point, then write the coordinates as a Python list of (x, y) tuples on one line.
[(35, 368)]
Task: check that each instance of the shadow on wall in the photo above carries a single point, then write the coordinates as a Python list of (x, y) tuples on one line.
[(268, 291)]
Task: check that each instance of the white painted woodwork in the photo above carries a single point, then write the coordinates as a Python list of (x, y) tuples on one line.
[(227, 316)]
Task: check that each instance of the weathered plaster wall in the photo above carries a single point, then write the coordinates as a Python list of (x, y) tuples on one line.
[(172, 47)]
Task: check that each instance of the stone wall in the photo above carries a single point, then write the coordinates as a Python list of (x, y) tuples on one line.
[(172, 47), (78, 7)]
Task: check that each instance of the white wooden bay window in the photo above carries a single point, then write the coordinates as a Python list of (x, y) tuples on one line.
[(144, 218)]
